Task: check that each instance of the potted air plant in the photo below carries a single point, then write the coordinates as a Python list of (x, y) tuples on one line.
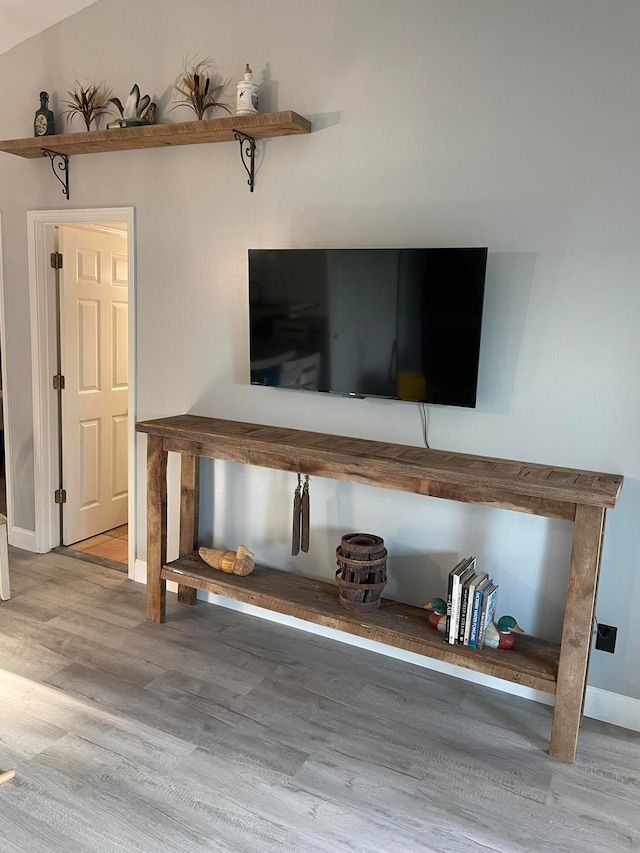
[(88, 102), (199, 87)]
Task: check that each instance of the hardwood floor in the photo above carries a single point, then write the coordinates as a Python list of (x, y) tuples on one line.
[(218, 731), (110, 547)]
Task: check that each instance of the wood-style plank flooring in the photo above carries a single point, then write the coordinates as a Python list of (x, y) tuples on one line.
[(218, 731), (112, 546)]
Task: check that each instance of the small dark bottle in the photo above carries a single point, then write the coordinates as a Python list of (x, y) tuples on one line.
[(44, 123)]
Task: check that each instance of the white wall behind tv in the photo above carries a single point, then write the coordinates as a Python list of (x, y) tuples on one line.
[(436, 123)]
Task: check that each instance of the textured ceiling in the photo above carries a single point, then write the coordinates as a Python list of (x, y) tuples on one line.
[(21, 19)]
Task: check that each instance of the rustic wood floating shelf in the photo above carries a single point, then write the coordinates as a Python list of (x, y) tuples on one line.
[(580, 497), (243, 129)]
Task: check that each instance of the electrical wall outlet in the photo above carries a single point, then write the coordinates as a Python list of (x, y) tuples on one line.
[(606, 638)]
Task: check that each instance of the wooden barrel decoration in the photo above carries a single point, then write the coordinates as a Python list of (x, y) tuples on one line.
[(362, 571)]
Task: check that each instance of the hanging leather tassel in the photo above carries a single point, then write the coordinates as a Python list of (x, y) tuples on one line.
[(297, 512), (305, 515)]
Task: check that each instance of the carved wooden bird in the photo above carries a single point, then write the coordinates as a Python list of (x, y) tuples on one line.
[(438, 608), (498, 634)]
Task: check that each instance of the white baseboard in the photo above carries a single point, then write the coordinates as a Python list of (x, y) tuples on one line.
[(600, 704), (21, 538), (612, 708), (139, 572), (140, 576)]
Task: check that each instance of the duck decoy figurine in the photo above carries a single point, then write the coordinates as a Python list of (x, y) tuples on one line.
[(498, 634), (236, 562), (438, 615)]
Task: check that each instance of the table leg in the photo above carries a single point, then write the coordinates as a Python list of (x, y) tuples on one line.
[(188, 518), (156, 527), (577, 631)]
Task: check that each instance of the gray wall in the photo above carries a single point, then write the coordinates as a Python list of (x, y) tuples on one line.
[(436, 123)]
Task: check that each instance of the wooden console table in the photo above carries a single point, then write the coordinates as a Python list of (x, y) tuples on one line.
[(581, 497)]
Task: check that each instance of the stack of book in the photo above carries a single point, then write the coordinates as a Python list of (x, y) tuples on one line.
[(471, 604)]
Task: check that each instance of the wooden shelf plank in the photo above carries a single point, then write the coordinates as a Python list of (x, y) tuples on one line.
[(267, 125), (545, 490), (534, 663)]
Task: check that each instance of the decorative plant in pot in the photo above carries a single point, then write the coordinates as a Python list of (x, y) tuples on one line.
[(89, 102), (199, 87)]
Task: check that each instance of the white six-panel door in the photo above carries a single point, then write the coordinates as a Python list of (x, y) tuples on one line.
[(93, 322)]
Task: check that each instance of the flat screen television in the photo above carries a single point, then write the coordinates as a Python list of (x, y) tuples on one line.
[(396, 323)]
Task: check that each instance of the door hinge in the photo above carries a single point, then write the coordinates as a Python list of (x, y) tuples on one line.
[(56, 260), (60, 496), (58, 382)]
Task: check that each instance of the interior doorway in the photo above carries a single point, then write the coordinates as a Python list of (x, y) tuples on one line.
[(92, 287), (84, 431)]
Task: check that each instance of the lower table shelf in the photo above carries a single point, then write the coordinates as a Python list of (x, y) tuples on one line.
[(534, 663)]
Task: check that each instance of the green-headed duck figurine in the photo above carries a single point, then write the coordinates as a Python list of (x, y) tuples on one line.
[(498, 635), (438, 614)]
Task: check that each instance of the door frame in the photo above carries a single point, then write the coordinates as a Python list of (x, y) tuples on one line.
[(5, 393), (40, 224)]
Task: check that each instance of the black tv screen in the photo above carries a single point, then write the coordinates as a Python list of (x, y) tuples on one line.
[(397, 323)]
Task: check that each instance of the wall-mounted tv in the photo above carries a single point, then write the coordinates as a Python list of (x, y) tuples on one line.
[(397, 323)]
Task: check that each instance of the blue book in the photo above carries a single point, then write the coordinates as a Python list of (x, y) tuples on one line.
[(488, 612), (476, 612), (476, 582)]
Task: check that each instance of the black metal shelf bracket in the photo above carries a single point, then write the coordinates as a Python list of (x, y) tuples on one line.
[(59, 166), (247, 153)]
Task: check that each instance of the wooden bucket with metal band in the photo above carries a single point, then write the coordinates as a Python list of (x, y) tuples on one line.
[(362, 571)]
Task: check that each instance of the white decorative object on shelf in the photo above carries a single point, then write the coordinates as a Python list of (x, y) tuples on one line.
[(248, 99)]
